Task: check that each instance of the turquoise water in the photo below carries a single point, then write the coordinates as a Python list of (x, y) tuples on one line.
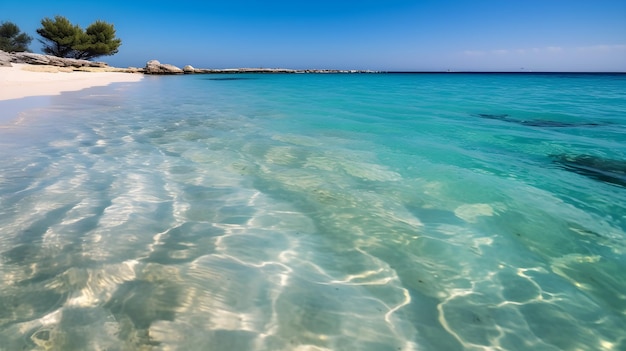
[(317, 212)]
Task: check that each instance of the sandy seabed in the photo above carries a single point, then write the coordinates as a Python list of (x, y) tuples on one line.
[(23, 80)]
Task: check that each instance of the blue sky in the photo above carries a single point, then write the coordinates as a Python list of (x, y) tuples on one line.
[(476, 35)]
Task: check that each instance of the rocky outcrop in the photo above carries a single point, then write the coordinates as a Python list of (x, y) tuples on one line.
[(156, 67), (39, 59), (5, 59), (189, 69)]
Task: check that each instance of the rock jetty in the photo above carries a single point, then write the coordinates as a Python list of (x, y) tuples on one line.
[(276, 70), (155, 67)]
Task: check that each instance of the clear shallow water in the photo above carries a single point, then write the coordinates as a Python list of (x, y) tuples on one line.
[(317, 212)]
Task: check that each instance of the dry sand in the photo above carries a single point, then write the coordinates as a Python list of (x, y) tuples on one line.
[(23, 80)]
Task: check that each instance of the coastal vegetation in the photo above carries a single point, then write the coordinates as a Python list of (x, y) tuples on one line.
[(63, 39), (12, 39)]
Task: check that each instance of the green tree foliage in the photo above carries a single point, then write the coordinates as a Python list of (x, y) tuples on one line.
[(59, 36), (63, 39), (99, 40), (11, 39)]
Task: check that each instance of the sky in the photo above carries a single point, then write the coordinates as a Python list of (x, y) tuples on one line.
[(388, 35)]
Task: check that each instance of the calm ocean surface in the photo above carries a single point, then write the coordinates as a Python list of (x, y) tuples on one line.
[(317, 212)]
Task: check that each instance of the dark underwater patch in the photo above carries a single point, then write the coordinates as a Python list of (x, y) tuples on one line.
[(502, 117), (536, 122), (556, 124), (598, 168), (230, 78)]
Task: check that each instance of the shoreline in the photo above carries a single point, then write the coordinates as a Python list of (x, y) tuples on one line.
[(30, 75), (22, 80)]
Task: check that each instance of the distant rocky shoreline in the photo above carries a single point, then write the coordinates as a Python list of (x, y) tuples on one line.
[(155, 67), (152, 67)]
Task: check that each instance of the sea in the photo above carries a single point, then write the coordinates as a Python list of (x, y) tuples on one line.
[(380, 212)]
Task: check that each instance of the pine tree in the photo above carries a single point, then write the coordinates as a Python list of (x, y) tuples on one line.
[(99, 41), (11, 39), (59, 36), (63, 39)]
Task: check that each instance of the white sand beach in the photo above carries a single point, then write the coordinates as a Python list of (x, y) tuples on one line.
[(24, 80)]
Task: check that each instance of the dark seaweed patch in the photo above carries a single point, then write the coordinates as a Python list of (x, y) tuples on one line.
[(536, 122), (598, 168), (230, 78), (502, 117), (555, 124)]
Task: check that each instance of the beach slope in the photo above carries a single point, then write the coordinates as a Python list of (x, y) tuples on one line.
[(23, 80)]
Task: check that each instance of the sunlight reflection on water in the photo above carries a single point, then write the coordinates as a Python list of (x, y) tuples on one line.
[(139, 225)]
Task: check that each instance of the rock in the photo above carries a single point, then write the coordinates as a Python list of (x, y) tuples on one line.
[(153, 64), (30, 58), (156, 67), (5, 59), (189, 69), (39, 59)]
